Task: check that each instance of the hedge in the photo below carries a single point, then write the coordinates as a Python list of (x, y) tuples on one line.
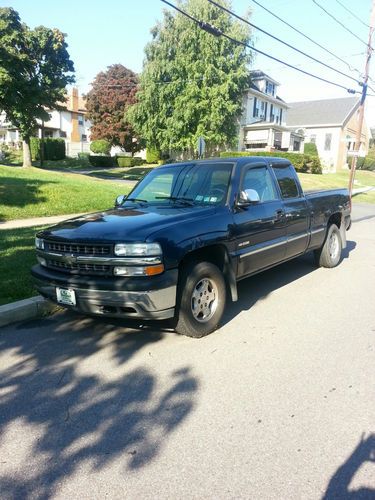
[(102, 161), (129, 161), (301, 162), (101, 147), (53, 149), (152, 155), (363, 162)]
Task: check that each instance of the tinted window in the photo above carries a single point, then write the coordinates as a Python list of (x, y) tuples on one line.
[(286, 178), (199, 183), (259, 179)]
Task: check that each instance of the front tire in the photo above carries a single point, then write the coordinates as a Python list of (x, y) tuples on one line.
[(329, 255), (201, 299)]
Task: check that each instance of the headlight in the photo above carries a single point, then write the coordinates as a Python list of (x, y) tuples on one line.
[(138, 271), (39, 243), (137, 249)]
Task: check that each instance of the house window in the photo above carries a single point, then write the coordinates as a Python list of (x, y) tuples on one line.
[(62, 133), (256, 108), (83, 137), (48, 134), (270, 88), (81, 120), (272, 116), (313, 138), (327, 142)]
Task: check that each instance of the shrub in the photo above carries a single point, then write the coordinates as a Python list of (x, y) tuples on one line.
[(129, 161), (102, 161), (10, 155), (152, 155), (83, 157), (301, 162), (310, 149), (363, 162), (53, 149), (100, 147)]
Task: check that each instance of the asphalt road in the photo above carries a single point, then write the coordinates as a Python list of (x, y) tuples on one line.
[(277, 404)]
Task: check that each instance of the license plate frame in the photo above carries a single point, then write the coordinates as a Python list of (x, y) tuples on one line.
[(66, 296)]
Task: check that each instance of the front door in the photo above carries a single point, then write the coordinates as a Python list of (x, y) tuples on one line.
[(260, 228)]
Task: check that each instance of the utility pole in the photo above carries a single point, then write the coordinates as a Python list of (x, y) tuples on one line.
[(361, 109)]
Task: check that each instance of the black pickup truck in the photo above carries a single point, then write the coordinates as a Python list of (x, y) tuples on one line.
[(176, 246)]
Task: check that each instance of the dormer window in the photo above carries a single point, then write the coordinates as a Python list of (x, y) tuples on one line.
[(270, 88)]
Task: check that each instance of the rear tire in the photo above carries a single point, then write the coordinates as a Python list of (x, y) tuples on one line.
[(201, 299), (329, 254)]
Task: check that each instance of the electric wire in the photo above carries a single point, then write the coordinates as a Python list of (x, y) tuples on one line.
[(352, 13), (216, 32), (351, 68), (338, 22), (282, 41)]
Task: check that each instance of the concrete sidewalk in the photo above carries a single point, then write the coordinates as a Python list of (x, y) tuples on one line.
[(36, 221)]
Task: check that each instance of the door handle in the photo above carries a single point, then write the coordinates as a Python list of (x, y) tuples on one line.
[(279, 214)]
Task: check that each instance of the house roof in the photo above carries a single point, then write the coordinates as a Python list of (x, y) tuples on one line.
[(257, 74), (321, 112)]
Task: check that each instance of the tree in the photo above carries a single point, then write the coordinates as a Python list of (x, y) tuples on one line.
[(34, 70), (192, 82), (113, 91)]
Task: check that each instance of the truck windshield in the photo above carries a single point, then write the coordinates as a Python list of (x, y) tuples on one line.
[(202, 183)]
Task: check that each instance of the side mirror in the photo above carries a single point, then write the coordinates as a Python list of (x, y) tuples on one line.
[(248, 196), (119, 200)]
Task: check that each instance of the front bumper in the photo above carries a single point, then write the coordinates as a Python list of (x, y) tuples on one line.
[(142, 297)]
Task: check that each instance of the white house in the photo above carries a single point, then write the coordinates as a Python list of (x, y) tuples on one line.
[(332, 125), (68, 122), (263, 121)]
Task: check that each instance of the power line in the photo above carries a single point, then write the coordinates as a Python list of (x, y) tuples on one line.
[(308, 38), (338, 22), (352, 13), (281, 41), (217, 32)]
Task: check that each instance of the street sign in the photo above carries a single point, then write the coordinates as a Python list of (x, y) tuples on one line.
[(201, 146)]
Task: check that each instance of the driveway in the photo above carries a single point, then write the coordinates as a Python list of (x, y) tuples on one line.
[(277, 404)]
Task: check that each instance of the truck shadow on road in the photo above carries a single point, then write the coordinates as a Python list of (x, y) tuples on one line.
[(69, 401), (258, 287), (338, 487)]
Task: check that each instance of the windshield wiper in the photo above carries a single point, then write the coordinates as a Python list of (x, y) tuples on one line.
[(135, 199), (187, 201)]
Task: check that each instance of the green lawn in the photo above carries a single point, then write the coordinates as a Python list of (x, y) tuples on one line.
[(17, 256), (341, 179), (33, 192)]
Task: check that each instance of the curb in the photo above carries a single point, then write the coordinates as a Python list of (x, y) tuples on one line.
[(35, 307)]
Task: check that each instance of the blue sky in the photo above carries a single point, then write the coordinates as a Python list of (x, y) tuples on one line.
[(103, 33)]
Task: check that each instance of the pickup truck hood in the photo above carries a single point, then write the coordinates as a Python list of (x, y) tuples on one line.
[(125, 224)]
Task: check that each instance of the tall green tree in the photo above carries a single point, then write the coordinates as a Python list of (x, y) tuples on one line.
[(35, 69), (113, 91), (192, 82)]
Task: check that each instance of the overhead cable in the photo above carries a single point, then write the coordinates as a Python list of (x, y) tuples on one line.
[(282, 41), (338, 22), (217, 32)]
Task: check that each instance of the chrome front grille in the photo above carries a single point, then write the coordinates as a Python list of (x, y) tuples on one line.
[(76, 248), (79, 268)]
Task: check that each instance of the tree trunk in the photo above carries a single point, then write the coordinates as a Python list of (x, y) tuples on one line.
[(26, 152)]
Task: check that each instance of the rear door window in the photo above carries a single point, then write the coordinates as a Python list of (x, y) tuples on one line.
[(287, 181)]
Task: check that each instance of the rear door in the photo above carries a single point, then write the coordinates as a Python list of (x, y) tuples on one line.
[(260, 228), (296, 209)]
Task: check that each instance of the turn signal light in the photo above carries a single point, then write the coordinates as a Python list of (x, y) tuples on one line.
[(152, 270)]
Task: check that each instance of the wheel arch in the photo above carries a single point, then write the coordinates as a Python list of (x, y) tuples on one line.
[(218, 255)]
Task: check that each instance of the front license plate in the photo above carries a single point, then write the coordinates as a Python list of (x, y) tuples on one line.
[(66, 296)]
